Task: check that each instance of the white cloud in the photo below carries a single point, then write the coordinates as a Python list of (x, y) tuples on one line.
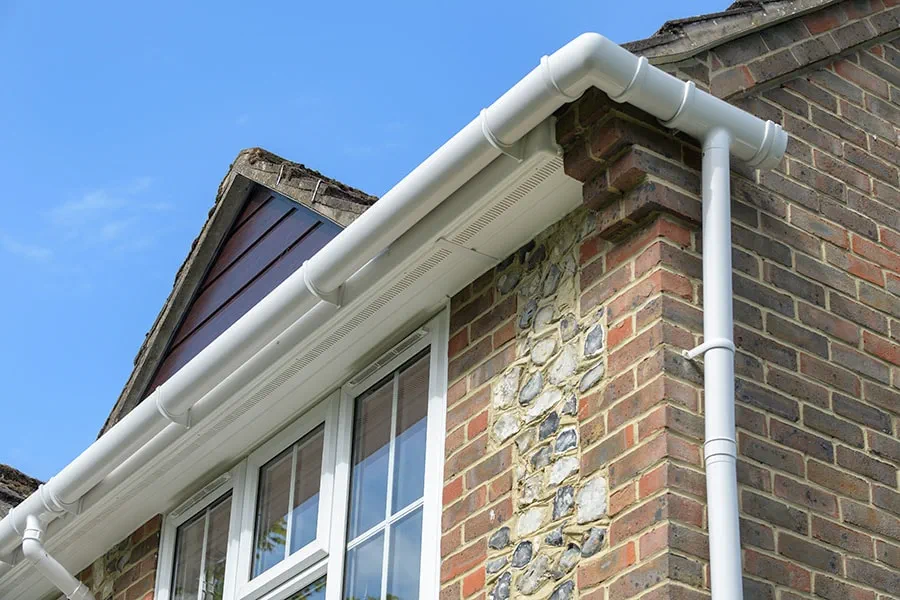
[(27, 251), (118, 217)]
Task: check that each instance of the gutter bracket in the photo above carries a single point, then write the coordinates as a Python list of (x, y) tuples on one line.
[(335, 297), (515, 151), (706, 346), (183, 419)]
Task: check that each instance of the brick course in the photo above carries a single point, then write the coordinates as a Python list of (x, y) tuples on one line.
[(817, 310), (128, 570)]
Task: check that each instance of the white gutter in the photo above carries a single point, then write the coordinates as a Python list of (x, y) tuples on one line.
[(249, 346)]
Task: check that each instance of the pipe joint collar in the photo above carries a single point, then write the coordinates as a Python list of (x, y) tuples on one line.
[(551, 82), (634, 86), (81, 593), (53, 503), (334, 297), (183, 419), (771, 149), (720, 449), (34, 529), (687, 98), (514, 151)]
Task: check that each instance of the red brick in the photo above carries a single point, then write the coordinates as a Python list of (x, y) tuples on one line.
[(477, 425), (882, 348), (464, 560), (473, 582), (597, 570)]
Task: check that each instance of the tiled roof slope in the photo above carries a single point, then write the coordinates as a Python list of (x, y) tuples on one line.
[(15, 486)]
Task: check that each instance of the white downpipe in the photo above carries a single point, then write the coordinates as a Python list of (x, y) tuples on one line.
[(33, 550), (720, 449), (243, 351)]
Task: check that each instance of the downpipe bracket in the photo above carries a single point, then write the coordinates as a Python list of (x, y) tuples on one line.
[(707, 346)]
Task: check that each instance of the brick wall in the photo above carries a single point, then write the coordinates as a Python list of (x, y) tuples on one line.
[(817, 308), (128, 570)]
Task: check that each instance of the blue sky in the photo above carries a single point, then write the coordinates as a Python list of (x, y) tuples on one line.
[(119, 119)]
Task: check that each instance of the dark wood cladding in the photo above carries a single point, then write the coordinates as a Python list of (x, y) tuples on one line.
[(269, 240)]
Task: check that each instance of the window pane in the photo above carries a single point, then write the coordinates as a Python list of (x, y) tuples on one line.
[(405, 556), (271, 512), (409, 452), (307, 478), (362, 575), (188, 552), (201, 544), (371, 444), (314, 591), (277, 481), (217, 548)]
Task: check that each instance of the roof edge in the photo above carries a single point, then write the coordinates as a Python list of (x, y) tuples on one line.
[(680, 39)]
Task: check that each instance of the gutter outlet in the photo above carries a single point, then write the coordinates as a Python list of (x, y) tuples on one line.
[(49, 567)]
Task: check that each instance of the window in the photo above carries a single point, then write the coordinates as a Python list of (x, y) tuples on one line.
[(386, 486), (334, 506), (201, 545), (287, 501), (196, 543)]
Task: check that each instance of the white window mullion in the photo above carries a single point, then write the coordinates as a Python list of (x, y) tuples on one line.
[(389, 501), (201, 588)]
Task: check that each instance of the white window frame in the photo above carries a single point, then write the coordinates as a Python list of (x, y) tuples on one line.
[(324, 557), (429, 578), (324, 413), (231, 481)]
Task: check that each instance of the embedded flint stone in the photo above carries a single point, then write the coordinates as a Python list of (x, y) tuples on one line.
[(562, 469), (530, 521), (555, 537), (531, 388), (592, 541), (564, 366), (501, 588), (563, 501), (521, 555), (499, 539), (592, 377), (591, 501), (532, 579), (543, 350), (506, 426), (566, 440), (541, 458), (593, 342), (548, 426)]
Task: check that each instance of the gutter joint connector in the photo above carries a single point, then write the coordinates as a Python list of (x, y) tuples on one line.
[(515, 151), (334, 297), (183, 419)]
